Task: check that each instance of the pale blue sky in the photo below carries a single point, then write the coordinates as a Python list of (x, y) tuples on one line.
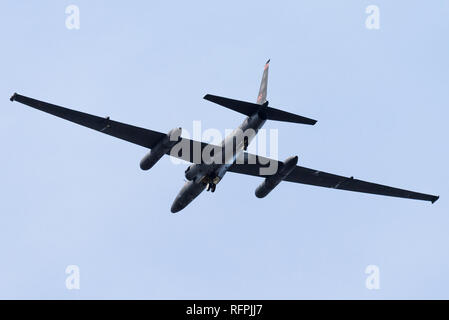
[(70, 195)]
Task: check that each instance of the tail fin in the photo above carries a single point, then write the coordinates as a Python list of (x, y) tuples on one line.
[(262, 97), (249, 109)]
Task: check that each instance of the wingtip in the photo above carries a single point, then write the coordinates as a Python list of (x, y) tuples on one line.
[(268, 61), (13, 97), (435, 199)]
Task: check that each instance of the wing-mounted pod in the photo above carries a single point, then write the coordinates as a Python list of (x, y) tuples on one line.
[(272, 181), (161, 148)]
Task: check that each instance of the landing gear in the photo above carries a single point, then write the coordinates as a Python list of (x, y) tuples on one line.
[(211, 187), (211, 183), (245, 143)]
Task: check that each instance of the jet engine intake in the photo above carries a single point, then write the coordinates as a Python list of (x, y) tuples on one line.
[(193, 172)]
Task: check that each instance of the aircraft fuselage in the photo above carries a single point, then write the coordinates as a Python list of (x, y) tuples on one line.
[(209, 175)]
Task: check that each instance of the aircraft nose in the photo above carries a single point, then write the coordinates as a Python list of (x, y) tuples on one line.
[(176, 207)]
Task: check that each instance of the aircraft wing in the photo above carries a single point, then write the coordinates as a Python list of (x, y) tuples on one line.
[(140, 136), (144, 137), (252, 165)]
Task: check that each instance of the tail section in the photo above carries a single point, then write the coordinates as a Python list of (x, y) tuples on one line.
[(262, 97), (249, 109)]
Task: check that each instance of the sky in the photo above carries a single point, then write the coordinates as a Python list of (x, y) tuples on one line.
[(72, 196)]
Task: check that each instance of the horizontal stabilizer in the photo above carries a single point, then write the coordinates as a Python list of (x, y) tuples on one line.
[(248, 108)]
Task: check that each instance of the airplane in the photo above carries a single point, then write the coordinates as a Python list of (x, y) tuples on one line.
[(206, 172)]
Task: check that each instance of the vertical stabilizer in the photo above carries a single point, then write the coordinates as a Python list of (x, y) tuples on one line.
[(262, 97)]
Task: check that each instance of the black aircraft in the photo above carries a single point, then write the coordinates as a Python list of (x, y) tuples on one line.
[(211, 162)]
